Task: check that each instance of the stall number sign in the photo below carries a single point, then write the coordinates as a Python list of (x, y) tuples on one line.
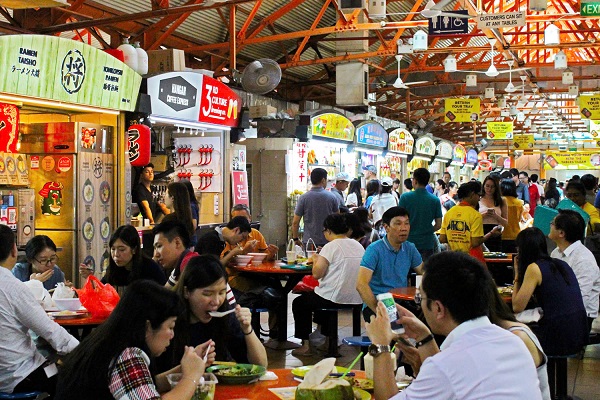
[(504, 20), (590, 8)]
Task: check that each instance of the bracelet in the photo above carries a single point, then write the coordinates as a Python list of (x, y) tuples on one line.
[(190, 379), (249, 333), (424, 341)]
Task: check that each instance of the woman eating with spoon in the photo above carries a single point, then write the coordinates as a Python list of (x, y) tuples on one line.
[(202, 289)]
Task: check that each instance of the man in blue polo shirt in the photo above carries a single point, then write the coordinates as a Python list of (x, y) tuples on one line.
[(386, 262), (425, 213)]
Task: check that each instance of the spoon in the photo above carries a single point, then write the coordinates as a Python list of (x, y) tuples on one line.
[(219, 314)]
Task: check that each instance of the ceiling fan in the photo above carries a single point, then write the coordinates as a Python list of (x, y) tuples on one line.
[(492, 71), (398, 83)]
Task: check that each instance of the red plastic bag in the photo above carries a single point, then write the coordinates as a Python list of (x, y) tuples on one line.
[(307, 284), (100, 299)]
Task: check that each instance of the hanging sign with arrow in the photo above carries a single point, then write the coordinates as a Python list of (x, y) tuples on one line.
[(446, 25)]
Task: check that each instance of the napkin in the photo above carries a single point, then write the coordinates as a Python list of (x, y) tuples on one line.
[(39, 292), (401, 375), (269, 376), (532, 315)]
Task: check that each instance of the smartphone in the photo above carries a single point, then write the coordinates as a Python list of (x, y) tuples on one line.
[(405, 342)]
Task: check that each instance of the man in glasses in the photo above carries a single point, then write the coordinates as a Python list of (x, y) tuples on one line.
[(477, 360)]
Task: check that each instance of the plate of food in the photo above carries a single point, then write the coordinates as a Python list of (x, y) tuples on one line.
[(364, 384), (88, 191), (238, 373), (66, 314), (300, 372)]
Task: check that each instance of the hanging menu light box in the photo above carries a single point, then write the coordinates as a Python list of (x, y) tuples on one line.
[(371, 134), (401, 141), (332, 126)]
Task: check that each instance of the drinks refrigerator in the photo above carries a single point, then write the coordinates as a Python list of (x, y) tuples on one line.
[(71, 174)]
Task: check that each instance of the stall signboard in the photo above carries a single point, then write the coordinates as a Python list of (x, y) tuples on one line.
[(54, 68), (298, 169), (461, 110), (239, 187), (444, 150), (9, 127), (425, 146), (500, 130), (595, 132), (482, 156), (572, 160), (371, 134), (523, 142), (189, 96), (332, 126), (472, 156), (589, 106), (401, 141), (459, 154)]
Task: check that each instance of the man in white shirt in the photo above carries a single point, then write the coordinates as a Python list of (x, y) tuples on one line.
[(22, 367), (567, 230), (478, 360)]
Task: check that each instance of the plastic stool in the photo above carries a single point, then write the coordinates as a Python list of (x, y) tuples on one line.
[(361, 341), (25, 395), (332, 321), (256, 319)]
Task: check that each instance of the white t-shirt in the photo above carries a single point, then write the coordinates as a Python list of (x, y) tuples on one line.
[(339, 282), (352, 200), (381, 203)]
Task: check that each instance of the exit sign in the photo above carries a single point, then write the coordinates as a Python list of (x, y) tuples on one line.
[(590, 8)]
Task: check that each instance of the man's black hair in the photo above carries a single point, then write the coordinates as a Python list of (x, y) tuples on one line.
[(572, 223), (393, 212), (173, 229), (317, 175), (240, 222), (7, 238)]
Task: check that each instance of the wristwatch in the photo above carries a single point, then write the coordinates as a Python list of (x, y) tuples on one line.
[(377, 349)]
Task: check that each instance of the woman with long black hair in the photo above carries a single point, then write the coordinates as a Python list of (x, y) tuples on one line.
[(354, 198)]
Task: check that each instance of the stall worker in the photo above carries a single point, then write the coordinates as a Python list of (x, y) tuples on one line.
[(22, 367), (142, 195), (41, 256)]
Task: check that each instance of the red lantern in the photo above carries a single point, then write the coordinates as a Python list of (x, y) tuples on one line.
[(138, 145)]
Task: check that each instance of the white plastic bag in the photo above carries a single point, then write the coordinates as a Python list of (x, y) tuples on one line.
[(40, 293), (63, 292)]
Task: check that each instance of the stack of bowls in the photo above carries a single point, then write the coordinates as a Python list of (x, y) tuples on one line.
[(257, 258), (243, 260)]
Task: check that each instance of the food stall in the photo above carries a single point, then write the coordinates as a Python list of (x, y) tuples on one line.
[(400, 146), (63, 105), (424, 151), (370, 140), (471, 163), (459, 155), (443, 155)]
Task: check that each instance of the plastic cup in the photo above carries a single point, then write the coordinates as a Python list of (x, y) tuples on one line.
[(291, 256), (418, 280), (205, 389)]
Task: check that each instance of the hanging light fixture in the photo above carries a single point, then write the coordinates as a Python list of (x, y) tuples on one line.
[(450, 63), (489, 93), (560, 60), (567, 77), (471, 80), (419, 40), (551, 35), (538, 5), (573, 90), (502, 102)]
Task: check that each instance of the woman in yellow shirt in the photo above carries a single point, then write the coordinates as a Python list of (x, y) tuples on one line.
[(515, 210)]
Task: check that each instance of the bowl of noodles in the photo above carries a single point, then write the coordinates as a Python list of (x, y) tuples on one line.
[(238, 373)]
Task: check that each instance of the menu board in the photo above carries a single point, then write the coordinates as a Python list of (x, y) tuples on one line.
[(401, 141), (332, 126), (459, 153), (472, 156), (461, 110), (371, 134), (425, 146), (523, 142), (444, 150)]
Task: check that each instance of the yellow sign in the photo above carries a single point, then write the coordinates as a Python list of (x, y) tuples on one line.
[(595, 131), (589, 106), (461, 110), (574, 160), (523, 142), (500, 130), (332, 126)]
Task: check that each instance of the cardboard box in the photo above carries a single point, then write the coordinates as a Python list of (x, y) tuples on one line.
[(170, 60), (262, 111)]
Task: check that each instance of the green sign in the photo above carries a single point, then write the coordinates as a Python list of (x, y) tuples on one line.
[(590, 8), (53, 68)]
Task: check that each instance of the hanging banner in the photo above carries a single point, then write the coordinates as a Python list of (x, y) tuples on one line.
[(9, 127), (53, 68), (589, 106), (401, 141), (332, 126), (523, 142), (371, 134), (500, 130), (425, 146), (239, 187), (461, 110), (578, 160)]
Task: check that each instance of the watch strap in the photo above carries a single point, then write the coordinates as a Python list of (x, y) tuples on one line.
[(426, 340), (377, 349)]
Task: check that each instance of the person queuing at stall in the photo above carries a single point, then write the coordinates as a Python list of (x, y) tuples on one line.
[(567, 230), (455, 301), (556, 291), (440, 188), (514, 207), (383, 201), (354, 198), (448, 199), (373, 189), (142, 195), (589, 182), (494, 210), (407, 185), (534, 180), (534, 195), (462, 227), (22, 367), (195, 207), (171, 243), (313, 207), (369, 172), (178, 202), (336, 267), (41, 266), (521, 188), (575, 191), (446, 177), (551, 194), (425, 213), (127, 262), (202, 290), (387, 262), (114, 360), (342, 180)]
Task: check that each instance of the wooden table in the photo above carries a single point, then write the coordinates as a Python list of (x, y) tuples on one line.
[(86, 324), (272, 269), (260, 389)]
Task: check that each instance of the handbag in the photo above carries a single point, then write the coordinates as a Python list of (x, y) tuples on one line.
[(100, 299)]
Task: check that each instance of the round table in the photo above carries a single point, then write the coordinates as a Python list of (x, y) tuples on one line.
[(85, 323)]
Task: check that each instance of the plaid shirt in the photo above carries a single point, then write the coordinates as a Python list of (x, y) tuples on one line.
[(130, 377)]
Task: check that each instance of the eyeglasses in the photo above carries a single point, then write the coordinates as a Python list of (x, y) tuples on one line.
[(419, 298), (45, 261)]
